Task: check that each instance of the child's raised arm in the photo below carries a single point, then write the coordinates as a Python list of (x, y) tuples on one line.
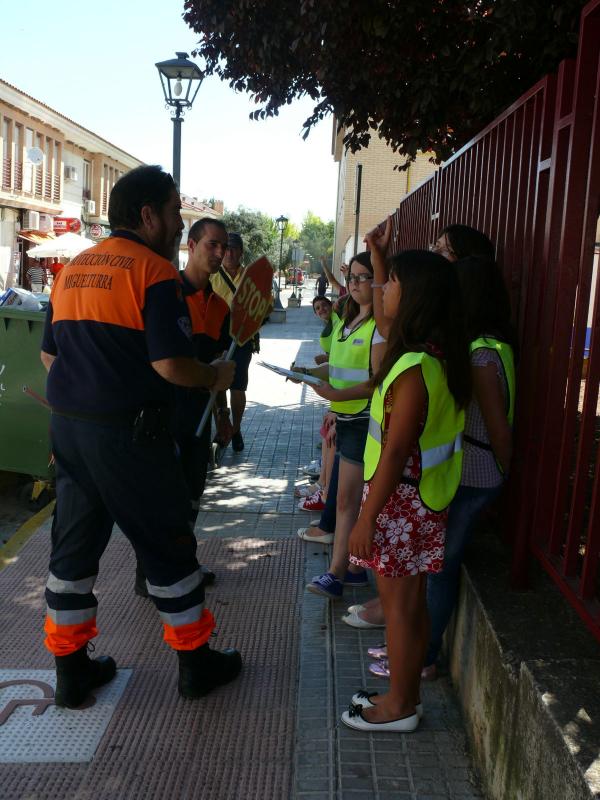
[(408, 406), (378, 242), (333, 281)]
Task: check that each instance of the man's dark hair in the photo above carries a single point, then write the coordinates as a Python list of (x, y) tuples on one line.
[(143, 186), (196, 232)]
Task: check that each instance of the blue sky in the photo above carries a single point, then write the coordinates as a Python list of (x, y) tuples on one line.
[(95, 64)]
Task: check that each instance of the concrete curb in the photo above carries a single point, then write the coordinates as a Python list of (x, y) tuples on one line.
[(532, 714), (9, 550)]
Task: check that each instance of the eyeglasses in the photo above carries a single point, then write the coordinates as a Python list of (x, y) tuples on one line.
[(443, 249), (362, 278)]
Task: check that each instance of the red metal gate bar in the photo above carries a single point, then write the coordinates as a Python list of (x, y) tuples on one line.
[(530, 180)]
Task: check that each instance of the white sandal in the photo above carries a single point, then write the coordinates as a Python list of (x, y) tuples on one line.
[(326, 538)]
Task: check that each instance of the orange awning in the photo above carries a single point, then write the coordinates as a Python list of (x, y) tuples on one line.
[(37, 237)]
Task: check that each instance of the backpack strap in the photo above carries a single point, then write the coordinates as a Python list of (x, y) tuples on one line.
[(231, 285)]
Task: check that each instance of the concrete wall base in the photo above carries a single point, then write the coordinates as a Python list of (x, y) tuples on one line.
[(527, 673), (277, 315)]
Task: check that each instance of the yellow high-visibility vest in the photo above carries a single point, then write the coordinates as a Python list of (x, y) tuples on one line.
[(440, 443), (325, 341), (507, 358), (350, 363)]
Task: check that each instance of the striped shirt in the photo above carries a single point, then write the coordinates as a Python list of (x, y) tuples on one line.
[(37, 277), (479, 466)]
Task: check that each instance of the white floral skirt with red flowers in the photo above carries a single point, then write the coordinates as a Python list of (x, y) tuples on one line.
[(409, 537)]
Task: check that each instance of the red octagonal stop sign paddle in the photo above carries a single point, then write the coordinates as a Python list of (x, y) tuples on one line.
[(249, 307), (252, 301)]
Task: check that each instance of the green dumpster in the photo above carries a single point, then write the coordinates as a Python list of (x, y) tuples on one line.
[(24, 420)]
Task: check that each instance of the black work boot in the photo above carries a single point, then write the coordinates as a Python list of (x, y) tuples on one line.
[(140, 587), (208, 576), (77, 674), (203, 669)]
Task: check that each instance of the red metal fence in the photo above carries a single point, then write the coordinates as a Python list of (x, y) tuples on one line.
[(531, 182)]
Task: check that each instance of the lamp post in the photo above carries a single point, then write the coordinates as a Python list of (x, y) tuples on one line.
[(281, 223), (180, 81)]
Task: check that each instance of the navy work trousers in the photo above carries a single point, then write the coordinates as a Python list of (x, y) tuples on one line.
[(103, 477)]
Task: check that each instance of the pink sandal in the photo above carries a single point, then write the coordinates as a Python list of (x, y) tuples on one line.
[(378, 652), (381, 669)]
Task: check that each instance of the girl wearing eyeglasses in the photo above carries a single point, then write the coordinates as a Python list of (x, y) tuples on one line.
[(356, 351)]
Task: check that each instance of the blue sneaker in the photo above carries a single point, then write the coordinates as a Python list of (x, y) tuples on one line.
[(356, 578), (326, 585)]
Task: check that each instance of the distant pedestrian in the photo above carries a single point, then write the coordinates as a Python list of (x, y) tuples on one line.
[(37, 278), (322, 284)]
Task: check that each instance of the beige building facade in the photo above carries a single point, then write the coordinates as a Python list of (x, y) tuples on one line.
[(382, 188), (55, 177)]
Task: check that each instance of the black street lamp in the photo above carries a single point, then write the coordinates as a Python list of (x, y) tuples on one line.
[(180, 81), (281, 223)]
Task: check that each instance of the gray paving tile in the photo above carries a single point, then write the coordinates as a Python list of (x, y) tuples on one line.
[(312, 786), (393, 784), (356, 783)]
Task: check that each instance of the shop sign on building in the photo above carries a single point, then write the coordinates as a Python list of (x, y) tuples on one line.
[(66, 225), (96, 231)]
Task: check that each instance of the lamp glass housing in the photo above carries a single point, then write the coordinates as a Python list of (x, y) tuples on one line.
[(180, 79)]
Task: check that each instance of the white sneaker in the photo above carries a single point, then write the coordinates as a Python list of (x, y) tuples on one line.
[(314, 464), (363, 699), (353, 718), (308, 490)]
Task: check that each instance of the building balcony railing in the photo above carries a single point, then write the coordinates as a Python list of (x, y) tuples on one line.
[(18, 177), (6, 170), (43, 186)]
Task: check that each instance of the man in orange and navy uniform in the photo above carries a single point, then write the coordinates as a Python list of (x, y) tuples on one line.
[(117, 337), (209, 314)]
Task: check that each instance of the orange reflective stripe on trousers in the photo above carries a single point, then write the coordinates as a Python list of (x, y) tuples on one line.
[(191, 635)]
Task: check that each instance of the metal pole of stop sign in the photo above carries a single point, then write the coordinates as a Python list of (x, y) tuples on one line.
[(213, 395)]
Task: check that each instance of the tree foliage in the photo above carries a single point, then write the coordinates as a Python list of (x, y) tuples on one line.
[(316, 236), (428, 74), (258, 231)]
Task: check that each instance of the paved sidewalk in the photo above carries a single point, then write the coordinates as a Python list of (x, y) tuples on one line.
[(275, 733)]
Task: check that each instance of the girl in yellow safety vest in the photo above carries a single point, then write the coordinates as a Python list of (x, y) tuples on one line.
[(357, 348), (413, 461), (488, 418), (323, 309), (488, 431)]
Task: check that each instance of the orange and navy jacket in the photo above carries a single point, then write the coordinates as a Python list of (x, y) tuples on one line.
[(209, 314), (113, 310)]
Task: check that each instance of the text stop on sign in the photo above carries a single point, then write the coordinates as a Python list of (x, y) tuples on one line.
[(252, 301)]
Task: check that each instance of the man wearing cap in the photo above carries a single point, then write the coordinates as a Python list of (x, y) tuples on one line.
[(225, 284)]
